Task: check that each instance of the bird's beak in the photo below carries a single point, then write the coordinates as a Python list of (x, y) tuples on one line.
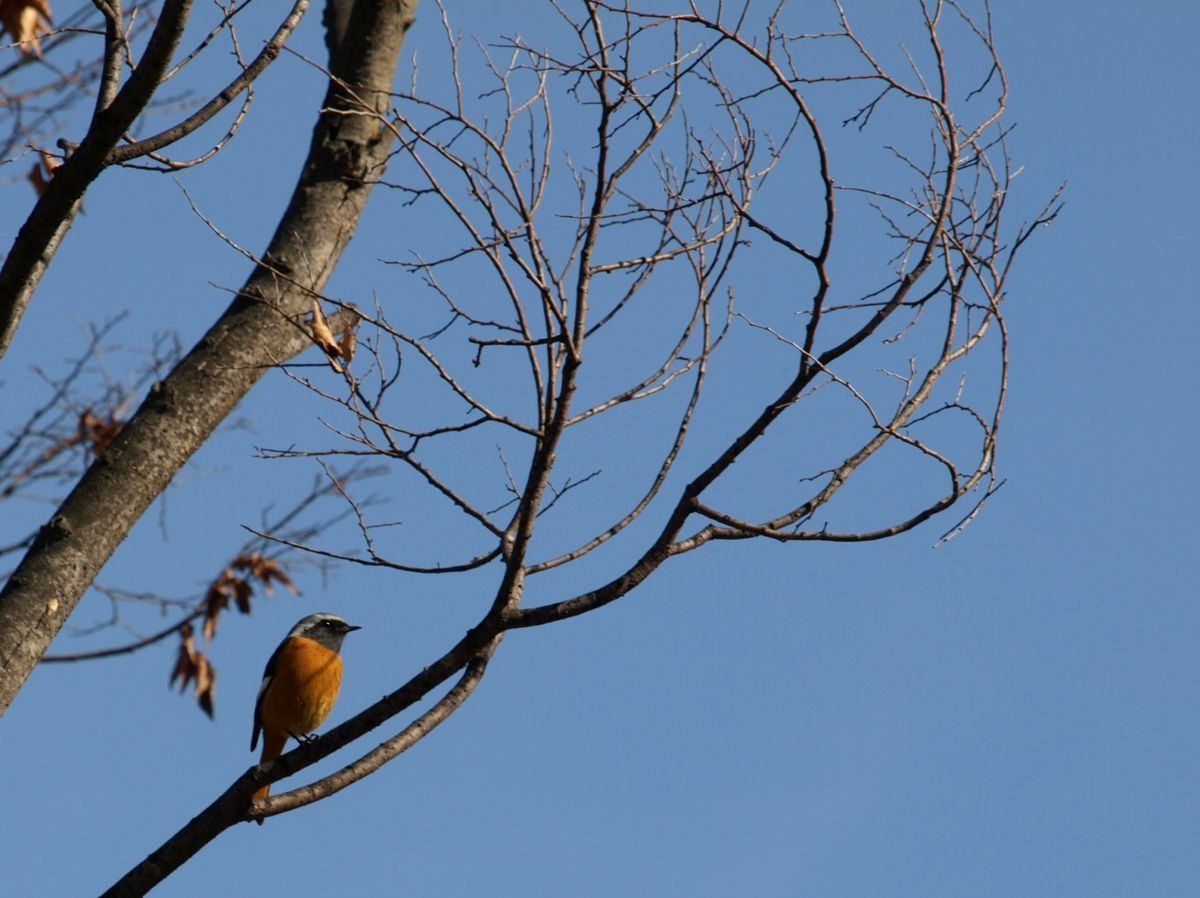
[(350, 627)]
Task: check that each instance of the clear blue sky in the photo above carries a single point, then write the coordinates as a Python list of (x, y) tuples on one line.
[(1013, 714)]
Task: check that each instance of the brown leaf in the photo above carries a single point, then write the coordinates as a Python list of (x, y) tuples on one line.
[(216, 600), (193, 665), (251, 562), (323, 337), (241, 595), (26, 21), (347, 344), (100, 431), (266, 570), (186, 667), (38, 179), (270, 570), (244, 562), (206, 685), (212, 612), (52, 163)]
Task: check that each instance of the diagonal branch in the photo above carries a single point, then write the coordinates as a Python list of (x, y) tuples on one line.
[(392, 748), (235, 87)]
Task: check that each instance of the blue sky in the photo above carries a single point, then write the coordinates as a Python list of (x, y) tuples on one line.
[(1013, 713)]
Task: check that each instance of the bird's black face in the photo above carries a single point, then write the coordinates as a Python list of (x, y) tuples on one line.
[(336, 625), (327, 629)]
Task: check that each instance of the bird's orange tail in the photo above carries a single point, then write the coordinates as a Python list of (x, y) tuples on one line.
[(272, 748)]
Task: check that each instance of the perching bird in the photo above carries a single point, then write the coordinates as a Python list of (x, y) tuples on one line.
[(300, 685)]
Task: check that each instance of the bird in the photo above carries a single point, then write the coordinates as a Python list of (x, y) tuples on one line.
[(299, 686)]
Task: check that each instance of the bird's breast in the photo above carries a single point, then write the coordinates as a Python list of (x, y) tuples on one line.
[(305, 685)]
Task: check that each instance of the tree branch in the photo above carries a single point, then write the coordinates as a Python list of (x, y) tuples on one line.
[(202, 115), (51, 218)]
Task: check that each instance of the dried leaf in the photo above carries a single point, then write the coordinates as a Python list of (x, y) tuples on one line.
[(347, 344), (26, 21), (323, 337), (266, 570), (191, 665), (244, 562), (241, 595), (38, 179), (99, 431), (212, 611), (206, 685), (216, 600), (270, 570), (186, 666)]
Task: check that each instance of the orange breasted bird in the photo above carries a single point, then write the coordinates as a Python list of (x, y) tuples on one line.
[(300, 685)]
